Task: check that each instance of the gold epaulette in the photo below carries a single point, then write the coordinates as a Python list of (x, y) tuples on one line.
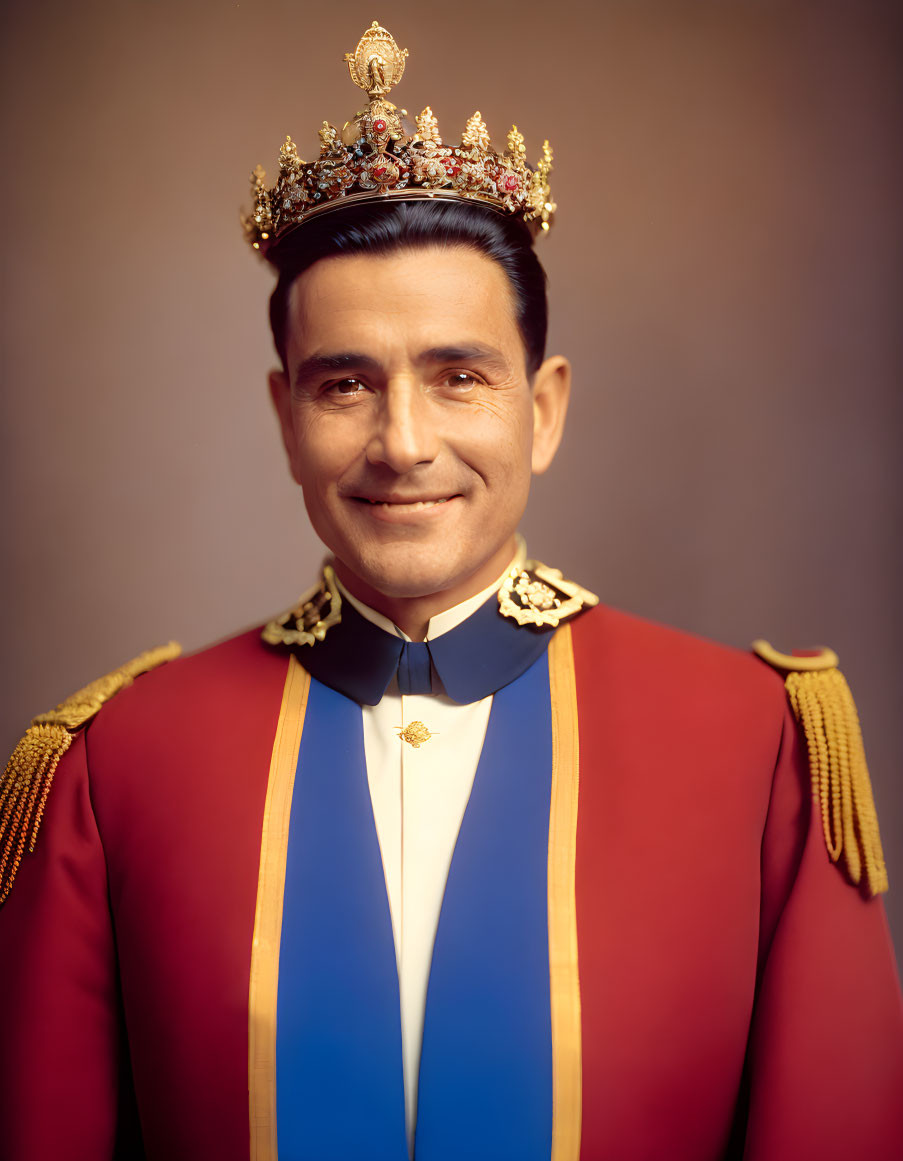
[(824, 707), (29, 772)]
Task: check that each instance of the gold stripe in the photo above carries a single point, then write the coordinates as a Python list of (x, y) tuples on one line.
[(264, 981), (564, 977)]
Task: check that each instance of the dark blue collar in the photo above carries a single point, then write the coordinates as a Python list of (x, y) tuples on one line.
[(477, 657)]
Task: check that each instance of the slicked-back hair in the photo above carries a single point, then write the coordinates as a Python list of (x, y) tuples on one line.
[(387, 228)]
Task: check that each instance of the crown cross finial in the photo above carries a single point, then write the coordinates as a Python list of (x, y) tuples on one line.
[(377, 64)]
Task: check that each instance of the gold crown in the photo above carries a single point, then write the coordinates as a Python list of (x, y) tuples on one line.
[(374, 157)]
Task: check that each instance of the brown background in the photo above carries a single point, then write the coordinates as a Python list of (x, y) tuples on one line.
[(725, 274)]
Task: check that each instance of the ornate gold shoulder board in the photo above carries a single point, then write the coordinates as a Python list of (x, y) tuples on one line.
[(534, 594), (29, 772), (311, 619), (824, 707)]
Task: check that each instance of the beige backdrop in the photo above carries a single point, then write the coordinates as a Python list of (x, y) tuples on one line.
[(725, 275)]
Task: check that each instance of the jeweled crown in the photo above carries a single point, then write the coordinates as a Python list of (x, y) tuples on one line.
[(373, 156)]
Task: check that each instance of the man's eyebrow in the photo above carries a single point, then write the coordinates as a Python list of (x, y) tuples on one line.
[(465, 353), (315, 365)]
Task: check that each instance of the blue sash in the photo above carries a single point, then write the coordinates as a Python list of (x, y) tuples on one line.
[(485, 1087)]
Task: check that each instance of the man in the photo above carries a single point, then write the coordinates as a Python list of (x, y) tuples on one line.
[(447, 862)]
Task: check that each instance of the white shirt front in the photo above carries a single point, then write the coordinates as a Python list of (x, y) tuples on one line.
[(419, 795)]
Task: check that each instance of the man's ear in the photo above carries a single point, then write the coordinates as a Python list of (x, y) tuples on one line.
[(281, 394), (551, 391)]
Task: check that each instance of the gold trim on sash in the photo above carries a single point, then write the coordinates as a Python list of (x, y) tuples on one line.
[(264, 980), (564, 978)]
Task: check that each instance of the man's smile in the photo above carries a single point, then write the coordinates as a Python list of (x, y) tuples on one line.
[(405, 508)]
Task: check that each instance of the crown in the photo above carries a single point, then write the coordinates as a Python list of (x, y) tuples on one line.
[(374, 156)]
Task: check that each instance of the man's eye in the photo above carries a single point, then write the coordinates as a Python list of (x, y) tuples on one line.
[(346, 388), (461, 380)]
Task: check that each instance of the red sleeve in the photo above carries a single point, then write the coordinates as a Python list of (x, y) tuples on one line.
[(64, 1090), (824, 1073)]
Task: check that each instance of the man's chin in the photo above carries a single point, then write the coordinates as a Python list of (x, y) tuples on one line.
[(403, 573), (403, 584)]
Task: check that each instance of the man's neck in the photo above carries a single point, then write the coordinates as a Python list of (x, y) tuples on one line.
[(413, 614)]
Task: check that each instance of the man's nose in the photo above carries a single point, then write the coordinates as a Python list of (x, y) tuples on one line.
[(405, 433)]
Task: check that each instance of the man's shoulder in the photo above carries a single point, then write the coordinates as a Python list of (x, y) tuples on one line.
[(160, 729), (198, 690), (193, 736), (620, 651)]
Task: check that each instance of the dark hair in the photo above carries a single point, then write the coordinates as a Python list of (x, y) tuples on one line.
[(384, 228)]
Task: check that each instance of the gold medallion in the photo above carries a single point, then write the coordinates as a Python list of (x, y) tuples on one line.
[(377, 64)]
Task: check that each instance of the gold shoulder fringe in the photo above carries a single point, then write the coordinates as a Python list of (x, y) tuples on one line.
[(824, 706), (29, 772)]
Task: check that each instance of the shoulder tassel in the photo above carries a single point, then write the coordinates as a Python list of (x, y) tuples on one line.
[(824, 707), (29, 773)]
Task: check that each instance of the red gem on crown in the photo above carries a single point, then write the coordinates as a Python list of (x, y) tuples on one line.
[(380, 125)]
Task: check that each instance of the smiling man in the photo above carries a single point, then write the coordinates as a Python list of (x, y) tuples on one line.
[(415, 450), (447, 861)]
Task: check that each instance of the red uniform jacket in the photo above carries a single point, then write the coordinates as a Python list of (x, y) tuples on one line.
[(738, 997)]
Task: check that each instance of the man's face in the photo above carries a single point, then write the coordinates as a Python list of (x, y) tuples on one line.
[(408, 416)]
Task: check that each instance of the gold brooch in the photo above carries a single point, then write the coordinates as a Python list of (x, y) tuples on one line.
[(538, 595), (309, 621), (415, 734)]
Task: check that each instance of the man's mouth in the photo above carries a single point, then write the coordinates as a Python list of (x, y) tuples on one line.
[(405, 508), (412, 505)]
